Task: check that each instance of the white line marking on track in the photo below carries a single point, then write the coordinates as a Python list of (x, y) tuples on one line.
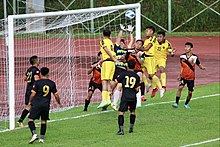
[(96, 113), (203, 142)]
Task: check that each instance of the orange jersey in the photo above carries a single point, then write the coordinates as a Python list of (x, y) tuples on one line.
[(96, 77), (137, 64), (188, 66)]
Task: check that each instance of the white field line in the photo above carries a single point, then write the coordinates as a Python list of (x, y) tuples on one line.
[(97, 113), (201, 97), (203, 142)]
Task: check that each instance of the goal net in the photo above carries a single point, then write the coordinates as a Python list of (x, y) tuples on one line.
[(66, 42)]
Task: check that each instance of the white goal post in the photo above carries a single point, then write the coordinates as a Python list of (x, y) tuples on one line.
[(11, 42)]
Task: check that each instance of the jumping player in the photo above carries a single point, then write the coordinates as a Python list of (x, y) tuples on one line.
[(108, 67), (149, 62), (95, 81), (188, 60), (40, 101), (120, 49), (130, 85), (162, 48), (32, 75), (138, 57)]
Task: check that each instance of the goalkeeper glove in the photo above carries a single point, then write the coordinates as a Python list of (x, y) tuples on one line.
[(122, 27), (130, 28)]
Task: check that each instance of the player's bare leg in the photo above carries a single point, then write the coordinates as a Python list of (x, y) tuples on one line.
[(87, 101), (178, 95), (121, 123), (32, 127)]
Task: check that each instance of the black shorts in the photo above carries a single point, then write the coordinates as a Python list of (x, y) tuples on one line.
[(27, 96), (190, 83), (124, 104), (39, 111), (93, 86), (118, 71)]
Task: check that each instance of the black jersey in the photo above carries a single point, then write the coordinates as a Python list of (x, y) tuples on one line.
[(43, 89), (30, 73), (130, 80)]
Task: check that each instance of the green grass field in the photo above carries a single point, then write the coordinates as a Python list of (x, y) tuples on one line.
[(157, 124)]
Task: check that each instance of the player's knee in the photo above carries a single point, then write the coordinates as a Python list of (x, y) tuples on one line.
[(29, 120), (43, 121)]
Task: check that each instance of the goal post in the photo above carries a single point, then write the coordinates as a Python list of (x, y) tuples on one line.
[(59, 44)]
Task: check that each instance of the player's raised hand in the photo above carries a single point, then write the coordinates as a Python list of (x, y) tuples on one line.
[(122, 27), (130, 28)]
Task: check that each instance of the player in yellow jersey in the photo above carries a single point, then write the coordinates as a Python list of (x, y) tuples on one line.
[(149, 62), (162, 48), (108, 67)]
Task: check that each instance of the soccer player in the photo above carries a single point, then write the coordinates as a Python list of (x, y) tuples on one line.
[(162, 48), (32, 75), (40, 100), (188, 60), (108, 67), (149, 62), (138, 57), (95, 81), (130, 85), (120, 49)]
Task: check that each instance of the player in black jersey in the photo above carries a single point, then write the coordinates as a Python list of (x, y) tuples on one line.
[(130, 86), (120, 49), (32, 74), (40, 101)]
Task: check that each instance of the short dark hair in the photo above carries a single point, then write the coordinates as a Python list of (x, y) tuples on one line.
[(161, 33), (33, 60), (122, 40), (44, 71), (151, 27), (107, 33), (131, 64), (99, 53), (140, 41), (190, 44)]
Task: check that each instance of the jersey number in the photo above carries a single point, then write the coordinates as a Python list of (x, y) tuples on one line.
[(130, 82), (29, 76), (46, 90)]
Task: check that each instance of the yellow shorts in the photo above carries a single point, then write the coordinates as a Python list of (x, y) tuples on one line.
[(160, 63), (108, 70), (149, 65)]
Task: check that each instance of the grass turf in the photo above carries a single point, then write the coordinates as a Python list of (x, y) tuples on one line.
[(156, 125)]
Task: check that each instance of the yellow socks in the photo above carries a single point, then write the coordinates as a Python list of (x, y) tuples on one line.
[(163, 78), (156, 81)]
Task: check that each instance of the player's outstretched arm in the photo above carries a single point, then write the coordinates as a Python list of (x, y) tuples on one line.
[(130, 30), (122, 28)]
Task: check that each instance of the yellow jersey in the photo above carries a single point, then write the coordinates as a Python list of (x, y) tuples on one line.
[(110, 46), (152, 40), (161, 49)]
